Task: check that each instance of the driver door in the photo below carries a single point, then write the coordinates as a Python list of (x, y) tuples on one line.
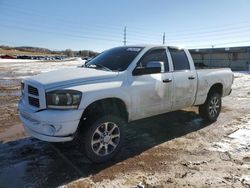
[(151, 93)]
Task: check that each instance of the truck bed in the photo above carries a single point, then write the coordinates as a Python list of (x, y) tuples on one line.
[(209, 76)]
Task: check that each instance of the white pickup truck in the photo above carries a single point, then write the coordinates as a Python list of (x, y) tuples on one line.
[(96, 101)]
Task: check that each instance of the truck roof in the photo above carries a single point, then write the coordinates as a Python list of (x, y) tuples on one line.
[(150, 46)]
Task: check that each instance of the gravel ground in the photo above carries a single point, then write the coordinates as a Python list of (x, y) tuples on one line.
[(171, 150)]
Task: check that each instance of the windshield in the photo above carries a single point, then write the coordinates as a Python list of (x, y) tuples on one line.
[(116, 59)]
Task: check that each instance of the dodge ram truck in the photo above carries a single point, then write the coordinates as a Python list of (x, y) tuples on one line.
[(94, 102)]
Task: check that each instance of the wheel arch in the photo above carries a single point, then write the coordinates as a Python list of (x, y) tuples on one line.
[(217, 87), (209, 110), (110, 105)]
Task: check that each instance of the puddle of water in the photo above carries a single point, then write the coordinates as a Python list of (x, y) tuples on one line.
[(32, 163), (13, 173)]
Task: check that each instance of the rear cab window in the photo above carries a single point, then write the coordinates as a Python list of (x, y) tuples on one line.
[(179, 59)]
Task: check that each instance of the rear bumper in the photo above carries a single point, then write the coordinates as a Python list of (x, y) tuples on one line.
[(50, 125)]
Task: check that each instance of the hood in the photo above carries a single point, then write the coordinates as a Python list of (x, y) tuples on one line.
[(71, 76)]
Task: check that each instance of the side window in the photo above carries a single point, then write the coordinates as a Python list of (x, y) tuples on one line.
[(180, 60), (155, 55)]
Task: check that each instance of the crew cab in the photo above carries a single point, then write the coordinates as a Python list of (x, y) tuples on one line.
[(94, 102)]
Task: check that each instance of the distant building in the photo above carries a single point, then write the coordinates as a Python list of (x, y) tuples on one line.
[(236, 58)]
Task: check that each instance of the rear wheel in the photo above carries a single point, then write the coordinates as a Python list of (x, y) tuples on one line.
[(210, 110), (104, 138)]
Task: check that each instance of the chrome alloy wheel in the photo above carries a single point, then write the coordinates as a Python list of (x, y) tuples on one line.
[(214, 106), (105, 138)]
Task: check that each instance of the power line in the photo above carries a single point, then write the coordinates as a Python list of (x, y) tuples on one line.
[(169, 33), (72, 27), (58, 18), (142, 39), (96, 38), (217, 32), (112, 35), (57, 33), (234, 42), (58, 28), (219, 44), (201, 29), (137, 37)]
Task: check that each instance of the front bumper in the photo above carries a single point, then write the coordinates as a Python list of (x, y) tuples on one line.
[(48, 138), (50, 125)]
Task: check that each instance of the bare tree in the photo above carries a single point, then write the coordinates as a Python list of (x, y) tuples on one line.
[(69, 53)]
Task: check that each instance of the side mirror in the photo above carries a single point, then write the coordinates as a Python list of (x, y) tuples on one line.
[(152, 67), (156, 64)]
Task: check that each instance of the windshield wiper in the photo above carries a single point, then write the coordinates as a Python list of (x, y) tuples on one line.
[(95, 66)]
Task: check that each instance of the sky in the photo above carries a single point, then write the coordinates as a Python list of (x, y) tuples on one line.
[(99, 24)]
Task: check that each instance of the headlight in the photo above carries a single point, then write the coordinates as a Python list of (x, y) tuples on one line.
[(63, 99)]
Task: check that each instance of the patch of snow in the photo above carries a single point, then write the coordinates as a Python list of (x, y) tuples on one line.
[(241, 135), (235, 142), (16, 60), (20, 69)]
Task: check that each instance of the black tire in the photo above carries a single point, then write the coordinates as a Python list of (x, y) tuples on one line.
[(210, 110), (106, 140)]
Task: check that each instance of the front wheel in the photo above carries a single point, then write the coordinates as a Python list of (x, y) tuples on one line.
[(104, 138), (210, 110)]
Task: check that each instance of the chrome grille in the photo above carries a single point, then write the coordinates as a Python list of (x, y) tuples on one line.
[(33, 96), (33, 91), (34, 101)]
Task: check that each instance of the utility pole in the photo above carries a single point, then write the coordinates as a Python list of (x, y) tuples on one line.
[(125, 36), (163, 39), (210, 55)]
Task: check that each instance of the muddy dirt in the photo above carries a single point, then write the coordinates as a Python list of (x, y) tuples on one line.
[(171, 150)]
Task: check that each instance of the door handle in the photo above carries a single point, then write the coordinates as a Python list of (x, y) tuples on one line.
[(167, 80), (191, 77)]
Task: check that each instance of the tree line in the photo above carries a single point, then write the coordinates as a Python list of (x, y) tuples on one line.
[(67, 52)]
